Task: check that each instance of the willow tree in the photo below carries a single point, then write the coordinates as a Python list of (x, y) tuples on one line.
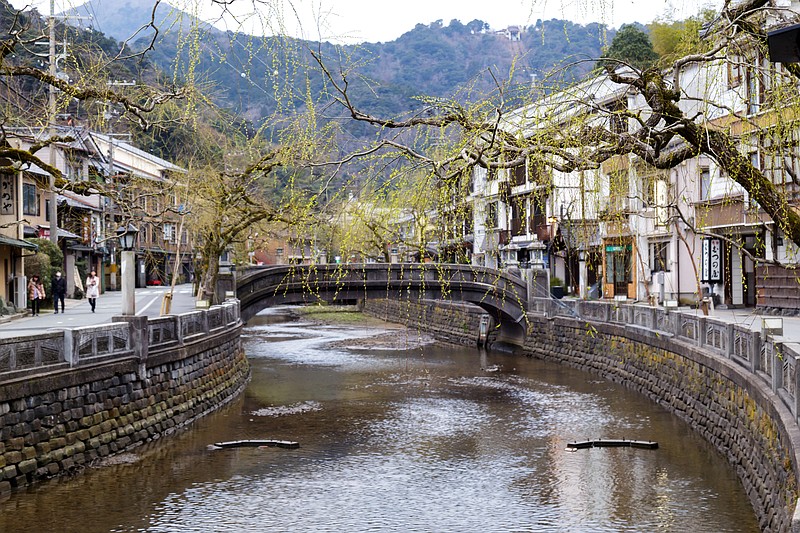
[(678, 118), (35, 91)]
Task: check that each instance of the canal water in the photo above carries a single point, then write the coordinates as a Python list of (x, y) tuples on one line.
[(425, 439)]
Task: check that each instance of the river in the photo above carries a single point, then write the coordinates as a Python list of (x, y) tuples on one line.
[(427, 439)]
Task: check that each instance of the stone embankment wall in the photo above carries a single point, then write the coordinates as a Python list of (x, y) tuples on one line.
[(60, 421), (739, 415), (450, 322)]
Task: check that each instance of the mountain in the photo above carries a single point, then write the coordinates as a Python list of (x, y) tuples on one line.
[(259, 77)]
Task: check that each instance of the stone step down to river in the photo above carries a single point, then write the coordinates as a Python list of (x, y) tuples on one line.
[(612, 443), (257, 444)]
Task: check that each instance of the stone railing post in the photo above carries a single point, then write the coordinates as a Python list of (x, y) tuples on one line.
[(730, 334), (226, 282), (755, 351), (796, 380), (138, 339), (69, 347), (777, 367), (701, 330), (538, 284), (179, 329)]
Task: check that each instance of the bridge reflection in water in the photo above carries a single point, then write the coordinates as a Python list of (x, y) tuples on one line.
[(500, 294)]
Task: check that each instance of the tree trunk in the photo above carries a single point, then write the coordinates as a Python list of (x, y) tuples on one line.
[(208, 284), (720, 147)]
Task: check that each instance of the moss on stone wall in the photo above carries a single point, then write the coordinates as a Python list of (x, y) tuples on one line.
[(109, 409), (727, 405)]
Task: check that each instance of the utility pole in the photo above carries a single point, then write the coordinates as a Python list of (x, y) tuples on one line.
[(51, 117), (108, 217)]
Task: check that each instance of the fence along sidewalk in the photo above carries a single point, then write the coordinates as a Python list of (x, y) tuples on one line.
[(30, 355), (773, 360)]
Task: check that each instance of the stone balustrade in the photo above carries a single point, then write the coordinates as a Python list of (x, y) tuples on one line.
[(771, 360), (46, 352)]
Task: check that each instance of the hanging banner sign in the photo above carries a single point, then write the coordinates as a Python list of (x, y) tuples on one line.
[(712, 261)]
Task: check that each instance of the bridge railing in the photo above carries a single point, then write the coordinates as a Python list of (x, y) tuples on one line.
[(772, 360), (267, 285), (50, 351)]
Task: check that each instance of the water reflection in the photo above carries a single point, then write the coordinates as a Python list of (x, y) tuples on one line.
[(431, 439)]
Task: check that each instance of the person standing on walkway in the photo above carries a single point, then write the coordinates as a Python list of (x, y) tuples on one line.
[(35, 295), (92, 289), (59, 290)]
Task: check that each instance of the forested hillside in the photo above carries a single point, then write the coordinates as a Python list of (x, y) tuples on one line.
[(260, 78)]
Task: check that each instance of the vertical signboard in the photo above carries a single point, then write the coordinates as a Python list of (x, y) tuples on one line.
[(711, 261), (7, 194)]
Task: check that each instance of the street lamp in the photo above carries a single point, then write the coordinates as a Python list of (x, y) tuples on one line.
[(582, 274), (127, 241)]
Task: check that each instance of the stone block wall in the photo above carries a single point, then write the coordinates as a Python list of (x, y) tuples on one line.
[(738, 414), (57, 422), (449, 322)]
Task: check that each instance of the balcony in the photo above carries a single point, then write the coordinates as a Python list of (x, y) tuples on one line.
[(540, 227), (504, 237)]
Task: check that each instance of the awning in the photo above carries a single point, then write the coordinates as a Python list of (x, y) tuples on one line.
[(17, 243), (77, 202), (44, 231)]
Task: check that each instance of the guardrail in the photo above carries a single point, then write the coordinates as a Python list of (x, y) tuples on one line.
[(45, 352), (770, 359)]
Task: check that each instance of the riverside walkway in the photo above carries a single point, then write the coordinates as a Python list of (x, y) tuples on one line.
[(78, 313), (149, 301)]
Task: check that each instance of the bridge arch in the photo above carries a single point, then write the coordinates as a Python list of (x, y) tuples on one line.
[(501, 295)]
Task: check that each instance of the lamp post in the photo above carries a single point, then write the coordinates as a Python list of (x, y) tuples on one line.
[(582, 274), (552, 220), (127, 241)]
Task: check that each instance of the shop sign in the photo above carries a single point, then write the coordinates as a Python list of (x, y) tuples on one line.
[(711, 260), (618, 248)]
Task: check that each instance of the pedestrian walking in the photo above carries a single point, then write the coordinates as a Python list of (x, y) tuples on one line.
[(92, 289), (35, 294), (59, 290)]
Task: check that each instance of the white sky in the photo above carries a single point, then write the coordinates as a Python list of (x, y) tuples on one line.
[(381, 20)]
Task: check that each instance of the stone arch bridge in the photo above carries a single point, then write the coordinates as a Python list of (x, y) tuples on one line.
[(501, 295)]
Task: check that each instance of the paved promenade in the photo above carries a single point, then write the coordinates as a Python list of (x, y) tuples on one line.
[(751, 319), (79, 313)]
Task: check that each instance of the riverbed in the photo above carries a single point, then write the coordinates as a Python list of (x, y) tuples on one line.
[(398, 434)]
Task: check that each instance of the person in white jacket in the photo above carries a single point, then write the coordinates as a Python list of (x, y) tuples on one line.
[(92, 289)]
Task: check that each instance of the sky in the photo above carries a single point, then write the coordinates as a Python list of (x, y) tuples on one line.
[(350, 21)]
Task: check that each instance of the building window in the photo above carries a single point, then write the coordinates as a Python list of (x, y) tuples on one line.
[(30, 200), (617, 117), (755, 84), (734, 72), (618, 193), (518, 175), (169, 232), (705, 183), (491, 215), (659, 256)]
